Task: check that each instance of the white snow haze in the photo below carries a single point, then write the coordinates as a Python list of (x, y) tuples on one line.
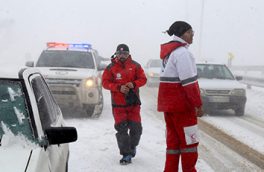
[(221, 27)]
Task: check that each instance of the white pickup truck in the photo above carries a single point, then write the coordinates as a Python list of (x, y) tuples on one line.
[(73, 73)]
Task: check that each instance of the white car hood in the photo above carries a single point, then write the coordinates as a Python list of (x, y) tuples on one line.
[(14, 158), (60, 72), (219, 84)]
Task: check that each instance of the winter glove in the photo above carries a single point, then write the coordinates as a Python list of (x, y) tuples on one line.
[(124, 89), (132, 98), (130, 85)]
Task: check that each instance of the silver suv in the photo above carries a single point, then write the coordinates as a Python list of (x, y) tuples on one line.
[(220, 89), (152, 70), (73, 73)]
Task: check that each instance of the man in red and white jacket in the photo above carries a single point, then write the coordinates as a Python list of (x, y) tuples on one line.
[(179, 99), (123, 77)]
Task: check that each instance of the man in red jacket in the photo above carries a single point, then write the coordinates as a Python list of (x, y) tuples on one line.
[(123, 77), (179, 99)]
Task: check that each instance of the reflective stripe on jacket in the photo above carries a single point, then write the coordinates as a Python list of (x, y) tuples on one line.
[(179, 90)]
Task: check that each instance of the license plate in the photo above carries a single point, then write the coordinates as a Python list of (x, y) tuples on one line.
[(222, 99)]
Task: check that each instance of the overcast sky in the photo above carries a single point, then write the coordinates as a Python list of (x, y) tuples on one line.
[(221, 26)]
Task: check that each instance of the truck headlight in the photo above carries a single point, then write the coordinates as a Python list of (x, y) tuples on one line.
[(90, 83), (151, 74), (238, 92)]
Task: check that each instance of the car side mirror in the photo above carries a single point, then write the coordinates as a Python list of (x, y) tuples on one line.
[(239, 78), (59, 135), (29, 64), (101, 67)]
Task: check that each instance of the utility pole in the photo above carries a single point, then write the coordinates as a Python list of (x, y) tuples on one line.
[(201, 31), (187, 10)]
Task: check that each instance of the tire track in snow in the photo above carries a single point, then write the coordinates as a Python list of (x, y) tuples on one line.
[(234, 144)]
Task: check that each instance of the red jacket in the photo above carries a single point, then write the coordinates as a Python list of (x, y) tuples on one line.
[(179, 90), (117, 74)]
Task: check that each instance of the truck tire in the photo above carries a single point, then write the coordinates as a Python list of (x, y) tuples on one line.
[(99, 107), (89, 109), (240, 111)]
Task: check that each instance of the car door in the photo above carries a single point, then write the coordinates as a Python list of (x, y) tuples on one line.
[(50, 116)]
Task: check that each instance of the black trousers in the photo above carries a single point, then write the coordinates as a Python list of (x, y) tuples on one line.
[(128, 136)]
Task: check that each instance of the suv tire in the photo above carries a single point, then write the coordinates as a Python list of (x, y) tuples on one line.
[(89, 109), (240, 111), (99, 107)]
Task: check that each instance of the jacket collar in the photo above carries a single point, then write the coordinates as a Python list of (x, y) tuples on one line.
[(167, 48), (176, 38)]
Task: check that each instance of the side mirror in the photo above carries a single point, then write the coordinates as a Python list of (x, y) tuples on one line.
[(101, 66), (29, 64), (239, 78), (59, 135)]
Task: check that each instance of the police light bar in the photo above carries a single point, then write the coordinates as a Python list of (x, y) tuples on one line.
[(66, 45), (81, 46)]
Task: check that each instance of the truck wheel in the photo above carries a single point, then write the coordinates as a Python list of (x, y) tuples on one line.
[(240, 111), (89, 109), (208, 111), (149, 84), (99, 106), (101, 103)]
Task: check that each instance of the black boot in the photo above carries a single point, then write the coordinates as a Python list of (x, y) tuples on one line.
[(134, 151), (126, 160)]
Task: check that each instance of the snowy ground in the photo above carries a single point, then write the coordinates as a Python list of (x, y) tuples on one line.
[(96, 149)]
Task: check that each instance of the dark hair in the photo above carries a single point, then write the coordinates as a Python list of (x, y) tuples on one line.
[(178, 28)]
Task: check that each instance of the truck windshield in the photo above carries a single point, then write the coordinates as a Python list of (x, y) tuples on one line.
[(65, 58)]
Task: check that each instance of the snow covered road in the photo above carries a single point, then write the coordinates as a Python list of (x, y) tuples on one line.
[(96, 148)]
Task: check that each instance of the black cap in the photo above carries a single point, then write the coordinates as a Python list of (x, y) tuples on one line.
[(122, 47), (178, 28)]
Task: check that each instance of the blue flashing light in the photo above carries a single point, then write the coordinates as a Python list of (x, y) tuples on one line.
[(80, 46)]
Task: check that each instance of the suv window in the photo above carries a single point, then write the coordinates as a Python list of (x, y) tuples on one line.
[(155, 63), (66, 58), (48, 109), (211, 71)]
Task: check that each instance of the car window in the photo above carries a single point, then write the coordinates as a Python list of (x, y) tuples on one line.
[(14, 114), (154, 63), (211, 71), (64, 58), (48, 109)]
